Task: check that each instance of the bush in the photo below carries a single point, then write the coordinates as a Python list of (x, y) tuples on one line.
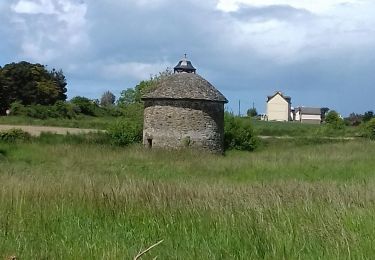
[(60, 109), (239, 133), (41, 112), (369, 129), (65, 110), (85, 105), (114, 111), (334, 120), (14, 135), (17, 109), (125, 132)]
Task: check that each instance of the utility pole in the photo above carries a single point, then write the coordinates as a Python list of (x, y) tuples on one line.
[(239, 107)]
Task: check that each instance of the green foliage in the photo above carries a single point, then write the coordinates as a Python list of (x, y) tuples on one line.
[(60, 80), (65, 110), (99, 202), (369, 129), (16, 108), (107, 99), (97, 138), (134, 95), (14, 135), (368, 116), (60, 109), (323, 112), (127, 97), (334, 120), (134, 112), (252, 112), (131, 96), (125, 132), (85, 105), (239, 133), (30, 84), (353, 119)]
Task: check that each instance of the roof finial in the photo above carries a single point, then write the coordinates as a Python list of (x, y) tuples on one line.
[(185, 56)]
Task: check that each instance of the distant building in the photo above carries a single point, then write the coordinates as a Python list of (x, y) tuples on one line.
[(311, 115), (184, 110), (278, 107)]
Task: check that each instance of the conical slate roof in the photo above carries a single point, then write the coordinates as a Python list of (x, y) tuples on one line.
[(185, 86)]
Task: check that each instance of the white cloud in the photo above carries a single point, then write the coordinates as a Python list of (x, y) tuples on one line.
[(334, 28), (316, 6), (50, 29), (135, 70), (34, 7)]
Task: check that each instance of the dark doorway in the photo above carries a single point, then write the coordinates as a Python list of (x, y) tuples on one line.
[(149, 143)]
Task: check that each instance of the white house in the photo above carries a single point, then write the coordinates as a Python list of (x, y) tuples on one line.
[(310, 115), (278, 107)]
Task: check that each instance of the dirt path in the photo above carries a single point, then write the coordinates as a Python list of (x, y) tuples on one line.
[(37, 130)]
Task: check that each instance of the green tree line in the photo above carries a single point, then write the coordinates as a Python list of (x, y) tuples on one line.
[(30, 84)]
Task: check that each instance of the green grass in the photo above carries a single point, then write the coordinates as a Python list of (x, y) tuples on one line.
[(296, 129), (79, 122), (89, 201), (262, 128)]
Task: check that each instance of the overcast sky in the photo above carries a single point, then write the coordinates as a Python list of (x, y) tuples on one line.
[(319, 52)]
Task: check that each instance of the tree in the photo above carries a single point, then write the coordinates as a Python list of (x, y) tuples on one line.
[(134, 95), (60, 81), (107, 99), (323, 112), (252, 112), (334, 120), (354, 119), (30, 84), (370, 129), (368, 116), (127, 97)]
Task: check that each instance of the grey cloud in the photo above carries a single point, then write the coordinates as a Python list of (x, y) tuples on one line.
[(126, 32), (278, 12)]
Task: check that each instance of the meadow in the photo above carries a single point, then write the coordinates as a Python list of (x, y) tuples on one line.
[(262, 128), (290, 199), (82, 121)]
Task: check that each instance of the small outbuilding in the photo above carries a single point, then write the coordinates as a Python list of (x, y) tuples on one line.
[(311, 115), (184, 110)]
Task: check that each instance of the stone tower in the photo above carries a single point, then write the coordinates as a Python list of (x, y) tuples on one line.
[(184, 110)]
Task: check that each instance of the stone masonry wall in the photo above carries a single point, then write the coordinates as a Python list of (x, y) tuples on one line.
[(181, 123)]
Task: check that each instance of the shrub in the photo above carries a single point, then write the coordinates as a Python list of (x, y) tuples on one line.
[(66, 110), (85, 105), (369, 129), (41, 112), (17, 109), (125, 132), (239, 133), (334, 120), (60, 109), (14, 135), (113, 110)]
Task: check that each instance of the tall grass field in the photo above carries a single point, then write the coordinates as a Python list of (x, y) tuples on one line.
[(285, 201)]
